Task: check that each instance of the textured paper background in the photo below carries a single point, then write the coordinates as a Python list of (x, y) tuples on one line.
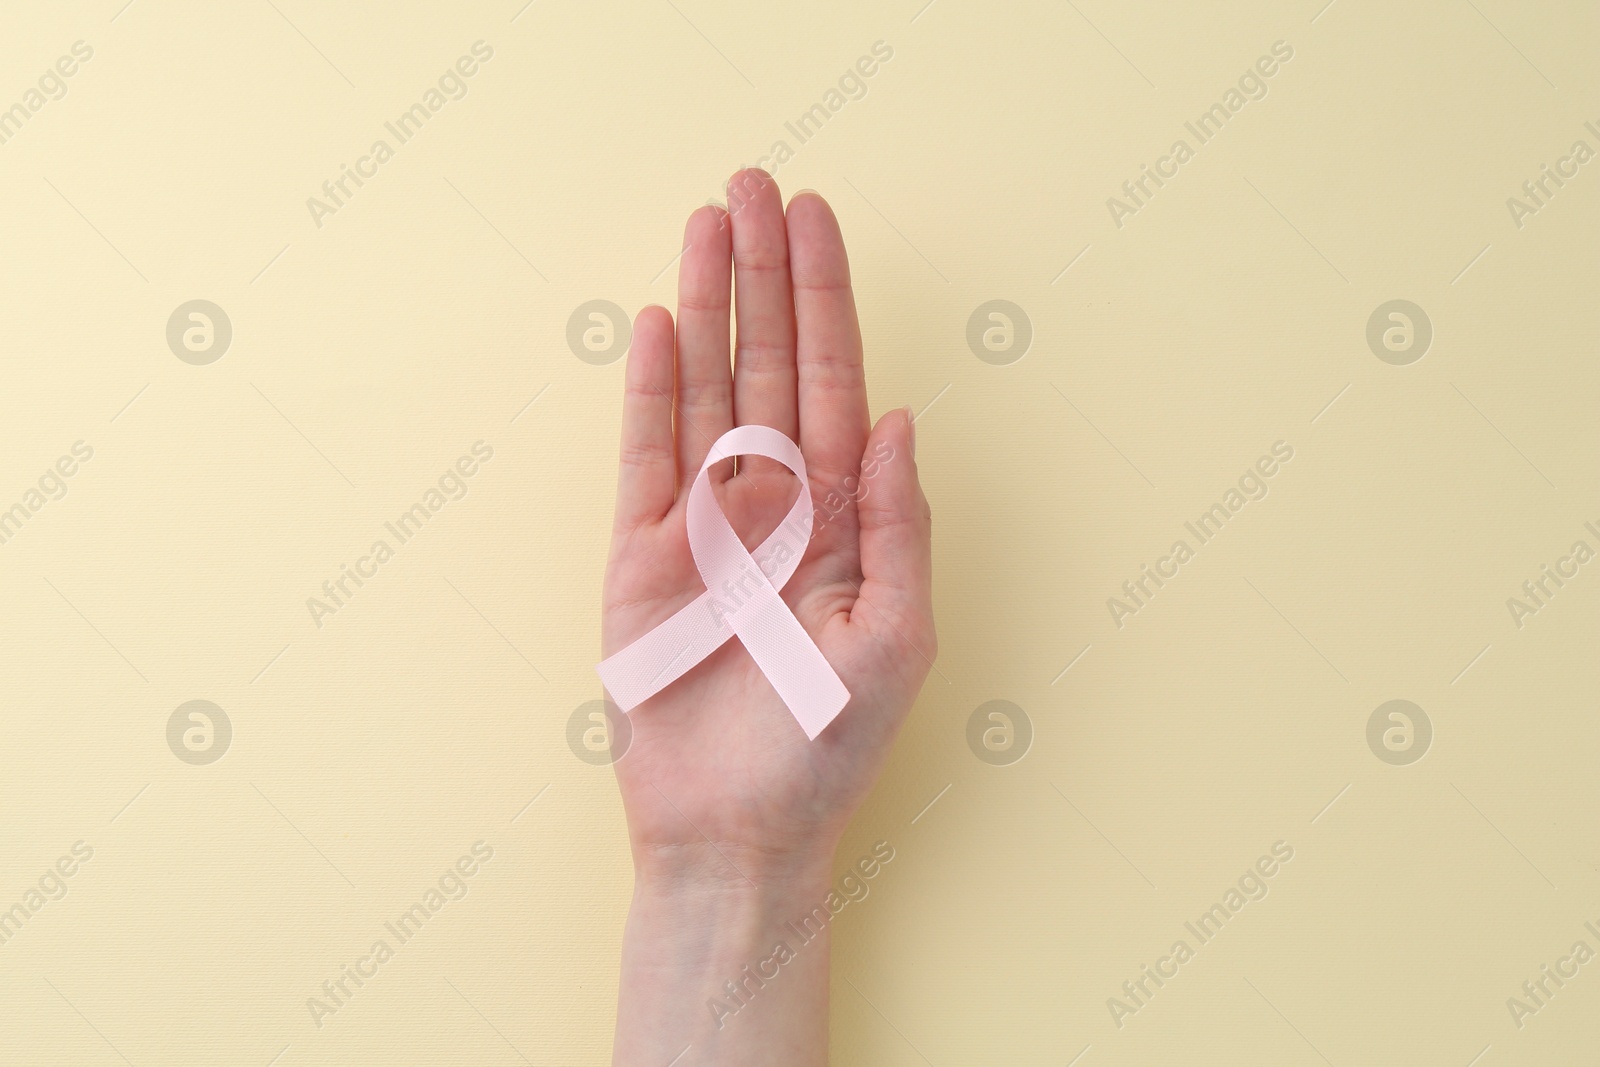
[(1229, 713)]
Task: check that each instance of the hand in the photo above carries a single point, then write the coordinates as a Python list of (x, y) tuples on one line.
[(720, 781), (733, 814)]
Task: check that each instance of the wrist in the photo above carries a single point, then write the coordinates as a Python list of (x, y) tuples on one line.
[(737, 962), (730, 872)]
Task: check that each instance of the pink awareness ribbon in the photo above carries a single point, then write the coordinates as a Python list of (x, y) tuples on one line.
[(741, 598)]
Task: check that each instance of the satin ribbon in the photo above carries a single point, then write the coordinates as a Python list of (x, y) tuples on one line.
[(741, 598)]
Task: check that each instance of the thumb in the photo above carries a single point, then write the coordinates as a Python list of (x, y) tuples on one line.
[(896, 536)]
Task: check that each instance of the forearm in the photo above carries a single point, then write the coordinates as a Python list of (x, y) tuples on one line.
[(733, 969)]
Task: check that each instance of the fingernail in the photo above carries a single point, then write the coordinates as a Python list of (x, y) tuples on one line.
[(761, 177), (911, 430)]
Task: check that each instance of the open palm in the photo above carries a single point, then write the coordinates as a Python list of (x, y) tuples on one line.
[(719, 777)]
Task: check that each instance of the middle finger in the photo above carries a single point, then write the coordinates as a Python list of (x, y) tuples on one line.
[(764, 369)]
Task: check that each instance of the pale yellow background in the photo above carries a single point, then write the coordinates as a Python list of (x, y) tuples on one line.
[(368, 354)]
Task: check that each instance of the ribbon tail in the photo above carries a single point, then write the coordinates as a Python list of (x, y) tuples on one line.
[(792, 662), (665, 654)]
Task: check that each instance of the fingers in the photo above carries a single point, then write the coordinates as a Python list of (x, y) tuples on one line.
[(896, 536), (646, 481), (832, 387), (764, 372), (705, 382)]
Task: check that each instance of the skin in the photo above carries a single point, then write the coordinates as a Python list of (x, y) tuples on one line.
[(733, 815)]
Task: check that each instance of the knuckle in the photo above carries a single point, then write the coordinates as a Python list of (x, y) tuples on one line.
[(710, 391), (762, 349), (691, 301), (638, 454), (816, 281), (763, 257)]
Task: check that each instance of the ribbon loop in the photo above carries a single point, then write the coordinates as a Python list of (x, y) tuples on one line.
[(741, 598)]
